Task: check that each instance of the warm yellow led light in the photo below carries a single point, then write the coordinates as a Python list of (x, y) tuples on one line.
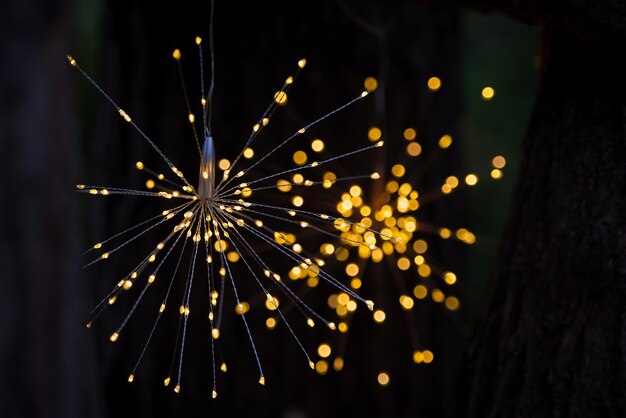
[(434, 83), (445, 141), (420, 291), (498, 161), (379, 316), (370, 84), (283, 185), (352, 269), (317, 145), (324, 350), (407, 302), (300, 157), (471, 179), (223, 164), (488, 93), (383, 378), (414, 149), (321, 367), (437, 295), (452, 303), (280, 97), (398, 170), (297, 201), (270, 323), (374, 134), (449, 277)]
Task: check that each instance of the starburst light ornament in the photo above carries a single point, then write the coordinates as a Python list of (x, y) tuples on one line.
[(217, 222)]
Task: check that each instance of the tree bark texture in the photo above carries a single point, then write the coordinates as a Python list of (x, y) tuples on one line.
[(45, 365), (600, 24), (553, 343)]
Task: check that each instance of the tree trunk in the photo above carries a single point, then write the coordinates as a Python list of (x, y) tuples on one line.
[(553, 342), (45, 367)]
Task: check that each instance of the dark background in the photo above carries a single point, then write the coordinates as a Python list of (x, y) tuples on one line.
[(57, 131)]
